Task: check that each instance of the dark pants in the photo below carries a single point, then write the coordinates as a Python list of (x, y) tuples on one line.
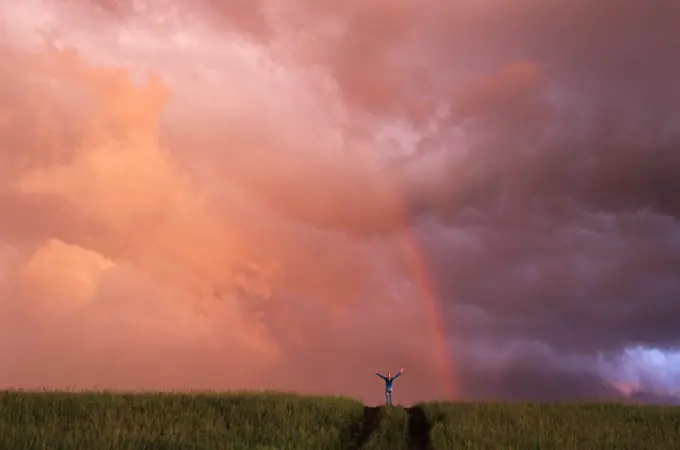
[(388, 396)]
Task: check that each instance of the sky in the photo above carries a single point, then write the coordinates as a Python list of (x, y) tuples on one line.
[(207, 195)]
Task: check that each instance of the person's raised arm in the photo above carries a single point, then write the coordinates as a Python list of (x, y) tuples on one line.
[(399, 373), (377, 372)]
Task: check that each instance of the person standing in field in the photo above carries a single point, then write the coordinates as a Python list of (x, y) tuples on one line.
[(389, 379)]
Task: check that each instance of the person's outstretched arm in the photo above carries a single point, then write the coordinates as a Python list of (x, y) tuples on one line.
[(398, 374), (380, 375)]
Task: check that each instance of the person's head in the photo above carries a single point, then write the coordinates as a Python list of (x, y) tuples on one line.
[(389, 375)]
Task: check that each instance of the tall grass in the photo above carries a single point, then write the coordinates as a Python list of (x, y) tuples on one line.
[(174, 421), (553, 426), (93, 421)]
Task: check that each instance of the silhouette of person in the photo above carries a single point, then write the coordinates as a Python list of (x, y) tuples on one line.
[(389, 379)]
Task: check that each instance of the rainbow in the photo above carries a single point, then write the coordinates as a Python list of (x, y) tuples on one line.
[(418, 266), (430, 298)]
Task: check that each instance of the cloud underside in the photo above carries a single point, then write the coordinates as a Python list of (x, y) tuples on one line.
[(252, 196)]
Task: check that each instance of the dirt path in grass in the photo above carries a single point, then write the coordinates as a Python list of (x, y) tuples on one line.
[(418, 429), (368, 425)]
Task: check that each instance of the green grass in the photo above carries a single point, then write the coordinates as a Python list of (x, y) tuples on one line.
[(92, 421), (553, 426), (174, 421)]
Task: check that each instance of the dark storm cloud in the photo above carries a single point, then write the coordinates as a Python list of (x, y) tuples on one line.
[(562, 215), (528, 378), (536, 379)]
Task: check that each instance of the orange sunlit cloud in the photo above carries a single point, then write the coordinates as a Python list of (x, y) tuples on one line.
[(186, 229)]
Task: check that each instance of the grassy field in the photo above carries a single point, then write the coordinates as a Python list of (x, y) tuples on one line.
[(553, 426), (284, 421)]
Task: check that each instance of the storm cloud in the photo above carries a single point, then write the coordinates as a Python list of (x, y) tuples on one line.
[(246, 195)]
